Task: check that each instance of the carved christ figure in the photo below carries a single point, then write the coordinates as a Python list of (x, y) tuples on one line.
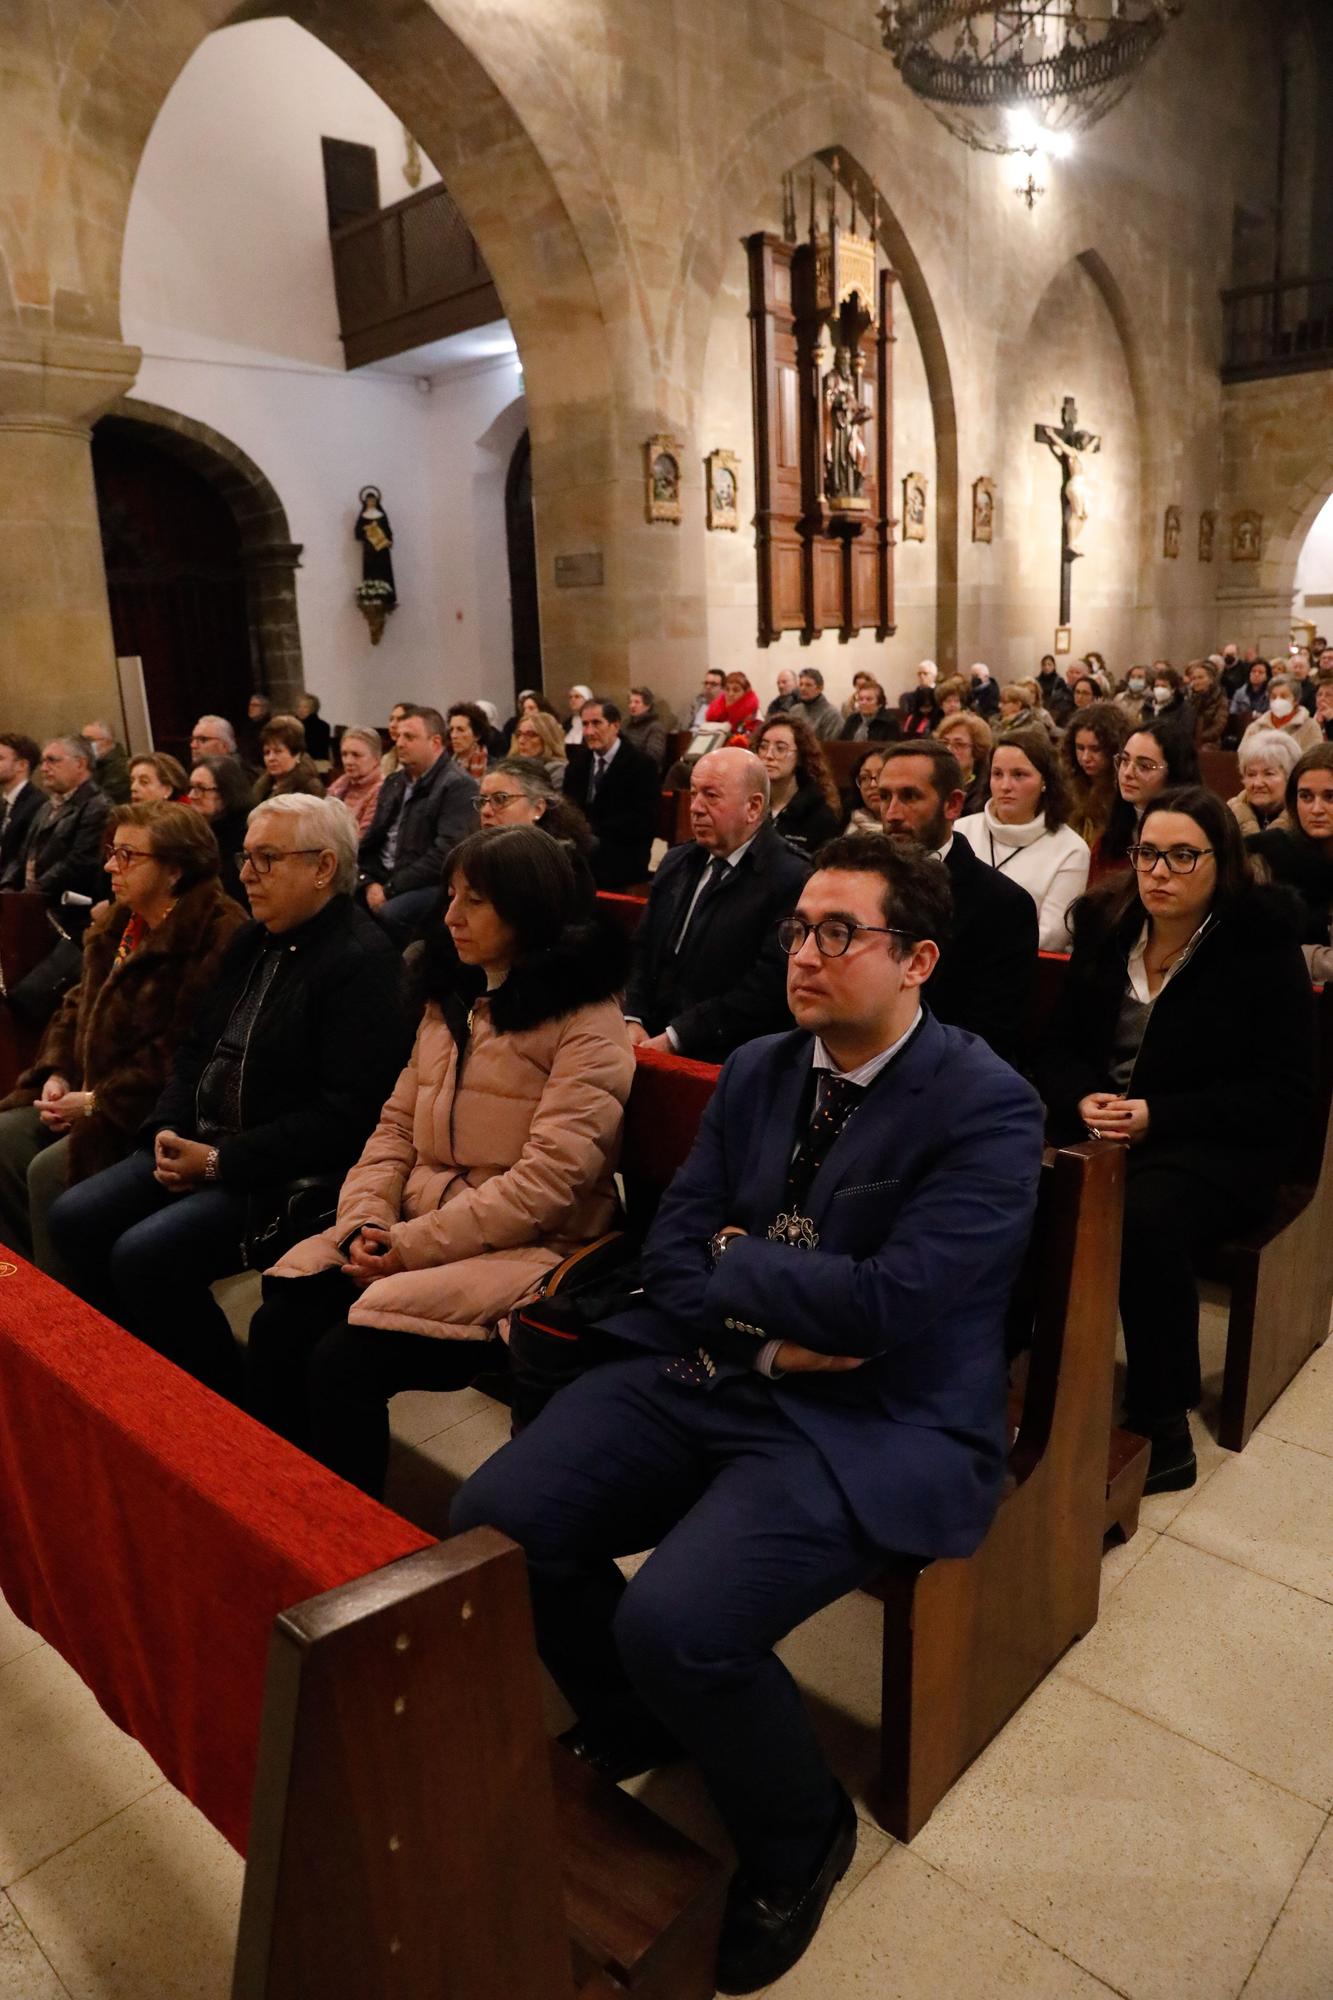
[(1071, 445), (845, 449)]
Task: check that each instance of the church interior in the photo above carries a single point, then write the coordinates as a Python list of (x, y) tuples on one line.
[(970, 344)]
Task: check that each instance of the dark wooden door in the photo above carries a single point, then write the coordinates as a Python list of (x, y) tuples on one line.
[(175, 581), (522, 538)]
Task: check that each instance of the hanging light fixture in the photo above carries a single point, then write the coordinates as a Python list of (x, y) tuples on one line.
[(1012, 76)]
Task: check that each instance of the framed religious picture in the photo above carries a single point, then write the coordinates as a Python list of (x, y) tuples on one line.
[(983, 509), (1207, 534), (1064, 639), (914, 507), (1247, 533), (722, 472), (662, 462), (1171, 534)]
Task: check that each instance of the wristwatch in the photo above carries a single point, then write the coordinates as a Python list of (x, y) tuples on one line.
[(718, 1243)]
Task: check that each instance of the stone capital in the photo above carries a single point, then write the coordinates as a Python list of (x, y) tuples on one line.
[(60, 381)]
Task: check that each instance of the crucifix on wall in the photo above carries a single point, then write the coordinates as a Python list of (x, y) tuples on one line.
[(1070, 445)]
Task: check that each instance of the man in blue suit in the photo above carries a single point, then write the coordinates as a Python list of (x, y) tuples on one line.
[(821, 1383)]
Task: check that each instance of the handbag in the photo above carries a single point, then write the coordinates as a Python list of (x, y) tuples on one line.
[(557, 1336)]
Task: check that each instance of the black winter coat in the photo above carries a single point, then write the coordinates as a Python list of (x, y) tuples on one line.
[(323, 1056), (14, 839), (988, 967), (729, 982), (807, 820), (1237, 1119)]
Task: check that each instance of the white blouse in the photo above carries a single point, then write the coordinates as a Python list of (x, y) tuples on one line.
[(1052, 867)]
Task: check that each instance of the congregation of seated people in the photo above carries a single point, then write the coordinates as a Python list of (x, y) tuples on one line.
[(360, 1011)]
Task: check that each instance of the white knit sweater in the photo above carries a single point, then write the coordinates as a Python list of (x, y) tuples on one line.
[(1052, 867)]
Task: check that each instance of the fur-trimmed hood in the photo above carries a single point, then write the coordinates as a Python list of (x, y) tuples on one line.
[(589, 962)]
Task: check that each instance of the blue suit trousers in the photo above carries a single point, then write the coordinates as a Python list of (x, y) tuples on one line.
[(750, 1535)]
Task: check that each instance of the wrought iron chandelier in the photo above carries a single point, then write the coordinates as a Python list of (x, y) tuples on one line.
[(1022, 75)]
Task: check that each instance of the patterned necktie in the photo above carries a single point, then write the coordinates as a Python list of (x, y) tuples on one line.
[(598, 772), (836, 1102)]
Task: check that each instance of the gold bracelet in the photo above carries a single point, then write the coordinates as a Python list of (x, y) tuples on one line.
[(89, 1103)]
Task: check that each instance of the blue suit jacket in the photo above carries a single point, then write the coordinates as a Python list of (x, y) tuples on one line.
[(924, 1207)]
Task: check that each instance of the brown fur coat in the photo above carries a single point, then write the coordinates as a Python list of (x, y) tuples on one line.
[(117, 1031)]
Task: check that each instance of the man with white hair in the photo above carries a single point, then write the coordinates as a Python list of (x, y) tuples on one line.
[(212, 736), (281, 1080), (111, 767), (985, 698), (708, 971)]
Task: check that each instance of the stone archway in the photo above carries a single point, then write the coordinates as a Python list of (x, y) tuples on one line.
[(63, 367), (270, 556)]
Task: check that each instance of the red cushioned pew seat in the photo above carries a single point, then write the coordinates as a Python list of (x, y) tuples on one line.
[(153, 1533)]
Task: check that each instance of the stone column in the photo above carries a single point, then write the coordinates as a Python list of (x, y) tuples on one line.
[(57, 663), (275, 635)]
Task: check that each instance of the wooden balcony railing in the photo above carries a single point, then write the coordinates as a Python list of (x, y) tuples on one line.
[(1281, 329), (408, 274)]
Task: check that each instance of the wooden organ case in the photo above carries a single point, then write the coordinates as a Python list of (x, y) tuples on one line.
[(821, 332)]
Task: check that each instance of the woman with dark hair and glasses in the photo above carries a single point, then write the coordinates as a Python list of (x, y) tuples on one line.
[(492, 1161), (1156, 757), (1142, 1052), (220, 790)]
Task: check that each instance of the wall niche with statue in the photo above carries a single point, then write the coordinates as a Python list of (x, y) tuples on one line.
[(821, 320)]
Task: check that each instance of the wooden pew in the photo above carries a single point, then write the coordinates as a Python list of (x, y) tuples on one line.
[(26, 937), (1281, 1274), (627, 910), (379, 1750), (1220, 771), (965, 1642)]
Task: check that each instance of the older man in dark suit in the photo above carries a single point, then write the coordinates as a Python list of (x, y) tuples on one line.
[(618, 789), (708, 971), (820, 1381), (988, 969)]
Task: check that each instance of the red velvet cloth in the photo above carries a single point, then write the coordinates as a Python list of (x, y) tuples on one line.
[(152, 1533), (666, 1102)]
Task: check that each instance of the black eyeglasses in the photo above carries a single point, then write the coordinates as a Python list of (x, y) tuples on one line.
[(261, 859), (833, 936), (497, 799), (1179, 860)]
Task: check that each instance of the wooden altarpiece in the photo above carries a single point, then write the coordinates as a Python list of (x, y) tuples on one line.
[(821, 325)]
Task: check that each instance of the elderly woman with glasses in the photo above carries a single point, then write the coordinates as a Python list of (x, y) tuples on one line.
[(1142, 1053), (149, 959)]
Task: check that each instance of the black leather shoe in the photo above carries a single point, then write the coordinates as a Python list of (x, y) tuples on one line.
[(622, 1756), (1172, 1466), (765, 1930)]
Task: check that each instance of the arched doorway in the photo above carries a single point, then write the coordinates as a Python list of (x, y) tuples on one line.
[(176, 582), (521, 537)]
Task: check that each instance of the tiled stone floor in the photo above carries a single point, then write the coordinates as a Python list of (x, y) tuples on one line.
[(1155, 1823)]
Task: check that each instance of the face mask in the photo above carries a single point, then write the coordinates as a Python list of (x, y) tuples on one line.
[(1160, 697), (1282, 704), (1137, 684)]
